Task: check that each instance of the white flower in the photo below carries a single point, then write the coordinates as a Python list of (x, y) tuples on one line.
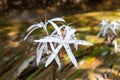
[(108, 28), (63, 42), (43, 47), (56, 40), (116, 26), (111, 29), (68, 29)]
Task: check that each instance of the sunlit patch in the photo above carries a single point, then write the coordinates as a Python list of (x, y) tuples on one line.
[(91, 63), (93, 39), (84, 29), (12, 34), (14, 44)]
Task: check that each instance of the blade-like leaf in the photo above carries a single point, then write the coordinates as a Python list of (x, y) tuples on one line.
[(71, 56), (53, 55)]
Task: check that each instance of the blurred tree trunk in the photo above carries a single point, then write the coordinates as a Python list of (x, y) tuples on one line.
[(82, 5), (5, 4)]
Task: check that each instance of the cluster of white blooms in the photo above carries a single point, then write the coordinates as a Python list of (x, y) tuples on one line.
[(110, 30), (109, 27), (62, 36)]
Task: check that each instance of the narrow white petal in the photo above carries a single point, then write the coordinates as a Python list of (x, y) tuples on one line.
[(69, 33), (48, 39), (58, 62), (39, 54), (39, 25), (38, 47), (32, 27), (30, 33), (46, 48), (56, 27), (82, 42), (71, 41), (56, 58), (71, 56), (45, 28), (75, 45), (53, 55), (105, 31), (54, 32), (57, 19), (52, 47), (113, 30)]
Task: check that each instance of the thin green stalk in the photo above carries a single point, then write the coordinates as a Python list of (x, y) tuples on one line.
[(54, 73)]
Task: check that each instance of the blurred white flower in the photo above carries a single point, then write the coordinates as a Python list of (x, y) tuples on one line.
[(108, 28), (62, 41)]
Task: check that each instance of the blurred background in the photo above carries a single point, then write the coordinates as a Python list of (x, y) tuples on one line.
[(17, 57)]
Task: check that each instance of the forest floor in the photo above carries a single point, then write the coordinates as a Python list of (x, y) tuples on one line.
[(17, 57)]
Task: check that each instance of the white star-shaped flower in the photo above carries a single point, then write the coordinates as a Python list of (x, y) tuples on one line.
[(56, 40), (43, 47), (63, 42)]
